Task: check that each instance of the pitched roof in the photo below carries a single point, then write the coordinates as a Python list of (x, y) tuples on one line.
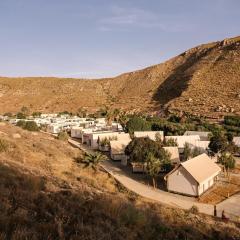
[(181, 140), (118, 147), (201, 167), (150, 134), (174, 154)]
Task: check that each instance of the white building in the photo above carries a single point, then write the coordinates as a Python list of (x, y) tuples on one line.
[(117, 151), (193, 177), (182, 140), (92, 139), (204, 136), (76, 132), (150, 134), (202, 146)]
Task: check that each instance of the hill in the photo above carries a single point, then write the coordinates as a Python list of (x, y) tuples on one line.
[(46, 194), (204, 80)]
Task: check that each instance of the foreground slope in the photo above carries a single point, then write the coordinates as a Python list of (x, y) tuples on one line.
[(203, 80), (45, 194)]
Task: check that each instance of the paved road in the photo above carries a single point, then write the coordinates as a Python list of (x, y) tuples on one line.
[(231, 205)]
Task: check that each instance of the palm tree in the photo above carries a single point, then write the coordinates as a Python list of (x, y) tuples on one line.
[(109, 116), (92, 160), (228, 161), (123, 119), (154, 166)]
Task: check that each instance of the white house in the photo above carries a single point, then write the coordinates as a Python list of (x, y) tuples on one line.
[(54, 128), (193, 177), (150, 134), (174, 154), (117, 151), (92, 139), (204, 136), (182, 140), (202, 146), (76, 132)]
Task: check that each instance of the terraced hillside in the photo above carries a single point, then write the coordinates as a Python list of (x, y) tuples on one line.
[(204, 80)]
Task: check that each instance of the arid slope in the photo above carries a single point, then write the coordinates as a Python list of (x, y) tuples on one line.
[(203, 80), (46, 194)]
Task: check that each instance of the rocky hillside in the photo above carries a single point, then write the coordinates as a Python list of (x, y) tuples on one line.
[(204, 80), (46, 194)]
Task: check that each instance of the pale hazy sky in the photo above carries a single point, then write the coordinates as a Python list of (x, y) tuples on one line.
[(96, 38)]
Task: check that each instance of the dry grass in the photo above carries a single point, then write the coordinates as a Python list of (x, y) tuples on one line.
[(45, 194), (222, 190)]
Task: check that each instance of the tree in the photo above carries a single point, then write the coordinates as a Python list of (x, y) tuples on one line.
[(36, 114), (31, 126), (154, 166), (158, 139), (151, 153), (218, 143), (137, 124), (28, 125), (92, 160), (123, 119), (227, 160), (187, 153), (139, 148), (171, 142), (25, 110), (196, 152), (21, 115)]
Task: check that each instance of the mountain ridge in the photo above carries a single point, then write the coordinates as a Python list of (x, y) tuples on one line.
[(203, 80)]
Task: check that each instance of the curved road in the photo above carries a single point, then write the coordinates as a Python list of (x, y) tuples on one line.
[(231, 205)]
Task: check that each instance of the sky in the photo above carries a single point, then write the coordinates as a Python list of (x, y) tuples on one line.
[(104, 38)]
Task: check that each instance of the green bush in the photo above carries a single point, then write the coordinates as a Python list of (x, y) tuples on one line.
[(63, 136), (21, 123), (232, 120), (28, 125), (36, 114), (21, 115)]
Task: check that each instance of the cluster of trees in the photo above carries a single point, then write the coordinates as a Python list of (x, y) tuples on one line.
[(151, 154), (222, 145), (28, 125)]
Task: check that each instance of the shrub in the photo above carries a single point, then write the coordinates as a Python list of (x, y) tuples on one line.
[(194, 210), (8, 114), (28, 125), (63, 136), (21, 123), (232, 120), (3, 145), (36, 114), (31, 126), (21, 115)]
